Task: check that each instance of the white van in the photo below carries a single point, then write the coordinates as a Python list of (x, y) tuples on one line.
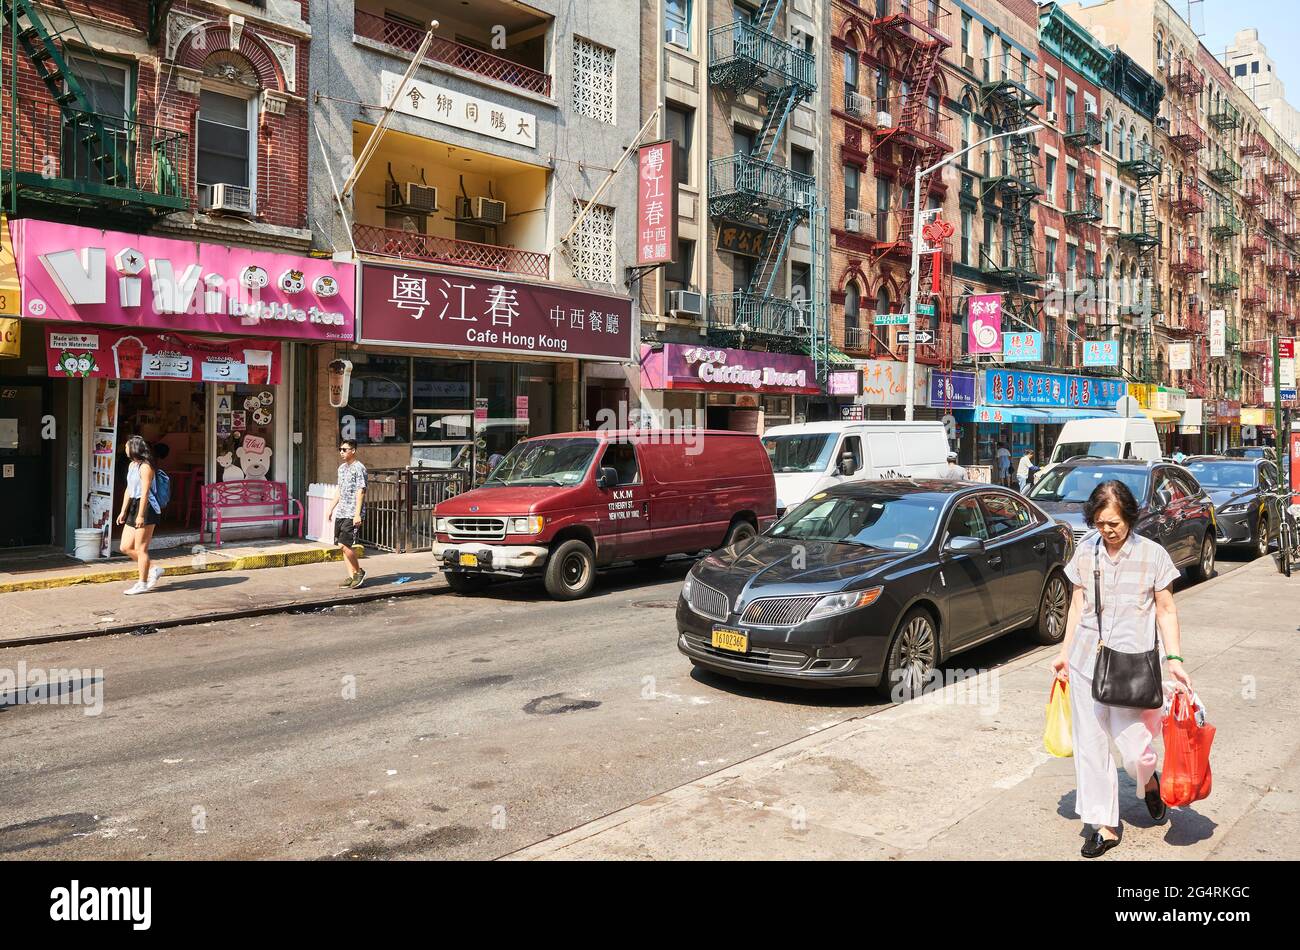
[(815, 455), (1132, 437)]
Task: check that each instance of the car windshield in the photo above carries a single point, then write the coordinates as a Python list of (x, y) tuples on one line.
[(1224, 474), (898, 522), (1101, 450), (1075, 484), (545, 462), (807, 452)]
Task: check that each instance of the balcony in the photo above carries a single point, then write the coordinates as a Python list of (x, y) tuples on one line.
[(97, 163), (1292, 228), (1278, 263), (1142, 162), (1276, 171), (1225, 281), (1275, 215), (1254, 298), (1255, 193), (1291, 189), (1082, 130), (1082, 206), (1252, 143), (1188, 261), (1004, 171), (1225, 116), (1224, 170), (1008, 261), (526, 74), (912, 20), (859, 339), (754, 313), (743, 54), (1188, 199), (412, 246), (1012, 83), (1224, 223), (1186, 77), (926, 128), (1141, 232), (741, 185), (1255, 246), (1186, 134)]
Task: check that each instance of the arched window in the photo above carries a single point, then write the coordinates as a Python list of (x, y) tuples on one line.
[(1132, 140), (850, 70), (1106, 130), (882, 299), (851, 311), (1122, 156), (882, 88)]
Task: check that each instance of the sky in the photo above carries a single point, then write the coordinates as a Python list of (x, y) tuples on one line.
[(1276, 20)]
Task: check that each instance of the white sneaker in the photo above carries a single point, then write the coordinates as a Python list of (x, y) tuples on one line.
[(140, 587), (154, 574)]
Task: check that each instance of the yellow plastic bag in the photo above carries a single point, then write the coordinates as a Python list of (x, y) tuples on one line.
[(1056, 736)]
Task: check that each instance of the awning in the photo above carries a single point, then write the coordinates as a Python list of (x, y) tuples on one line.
[(837, 357), (1163, 415), (1044, 415)]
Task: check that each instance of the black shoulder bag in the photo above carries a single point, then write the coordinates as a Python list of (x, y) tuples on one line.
[(1124, 679)]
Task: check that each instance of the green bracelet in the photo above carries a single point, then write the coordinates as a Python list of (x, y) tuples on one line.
[(1172, 656)]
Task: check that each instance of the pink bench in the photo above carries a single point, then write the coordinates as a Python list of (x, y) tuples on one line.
[(222, 502)]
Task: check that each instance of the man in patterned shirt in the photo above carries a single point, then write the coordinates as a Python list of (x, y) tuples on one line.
[(346, 508)]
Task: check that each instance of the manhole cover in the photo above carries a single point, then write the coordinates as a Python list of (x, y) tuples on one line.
[(660, 604)]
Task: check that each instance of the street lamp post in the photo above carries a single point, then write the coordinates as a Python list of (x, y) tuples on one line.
[(910, 404)]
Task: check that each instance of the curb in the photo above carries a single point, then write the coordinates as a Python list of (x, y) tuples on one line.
[(261, 610), (251, 562)]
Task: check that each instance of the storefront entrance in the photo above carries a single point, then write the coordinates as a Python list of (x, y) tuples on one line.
[(25, 464), (172, 417)]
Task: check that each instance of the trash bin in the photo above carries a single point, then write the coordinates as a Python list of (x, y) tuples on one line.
[(319, 497), (88, 544)]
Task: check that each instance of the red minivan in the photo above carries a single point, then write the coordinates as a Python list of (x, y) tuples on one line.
[(564, 505)]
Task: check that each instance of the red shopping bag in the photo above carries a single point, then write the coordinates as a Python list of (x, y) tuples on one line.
[(1186, 777)]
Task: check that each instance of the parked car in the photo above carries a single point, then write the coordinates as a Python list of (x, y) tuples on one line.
[(561, 506), (1237, 486), (813, 456), (1251, 452), (1173, 509), (874, 583)]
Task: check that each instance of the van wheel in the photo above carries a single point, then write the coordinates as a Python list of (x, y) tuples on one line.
[(1050, 626), (467, 583), (570, 570), (1203, 569), (739, 532)]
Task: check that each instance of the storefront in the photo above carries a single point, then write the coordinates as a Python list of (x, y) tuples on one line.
[(452, 369), (952, 394), (741, 390), (1191, 428), (884, 390), (1223, 419), (185, 344)]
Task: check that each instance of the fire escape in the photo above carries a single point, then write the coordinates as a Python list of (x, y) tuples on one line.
[(1138, 228), (63, 158), (754, 190)]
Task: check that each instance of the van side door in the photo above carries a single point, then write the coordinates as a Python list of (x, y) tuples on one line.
[(848, 464), (625, 515), (883, 456)]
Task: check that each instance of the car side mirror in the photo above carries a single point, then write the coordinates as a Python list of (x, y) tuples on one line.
[(607, 477), (963, 545)]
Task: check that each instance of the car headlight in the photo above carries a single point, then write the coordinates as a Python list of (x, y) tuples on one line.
[(833, 604), (1233, 509), (440, 525), (530, 524), (687, 585)]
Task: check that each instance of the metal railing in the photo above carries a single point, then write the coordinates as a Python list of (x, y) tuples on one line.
[(399, 506), (740, 43), (920, 19), (411, 245), (1083, 128), (450, 53), (1082, 205), (857, 339), (1224, 170), (742, 175), (754, 313)]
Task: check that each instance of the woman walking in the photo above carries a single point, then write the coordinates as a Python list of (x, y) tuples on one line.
[(1131, 576), (140, 512)]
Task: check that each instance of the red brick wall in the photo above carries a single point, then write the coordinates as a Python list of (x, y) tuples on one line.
[(1026, 10)]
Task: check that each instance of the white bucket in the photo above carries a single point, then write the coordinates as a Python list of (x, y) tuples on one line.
[(89, 543)]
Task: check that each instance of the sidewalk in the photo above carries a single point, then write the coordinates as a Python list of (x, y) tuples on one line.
[(214, 586), (957, 776)]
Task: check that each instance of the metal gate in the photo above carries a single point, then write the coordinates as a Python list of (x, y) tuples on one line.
[(399, 506)]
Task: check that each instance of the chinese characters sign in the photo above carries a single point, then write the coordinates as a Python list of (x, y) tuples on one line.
[(1218, 332), (1022, 347), (415, 307), (656, 204), (1020, 388), (952, 390), (448, 107), (984, 333), (1100, 352), (844, 383), (1180, 356)]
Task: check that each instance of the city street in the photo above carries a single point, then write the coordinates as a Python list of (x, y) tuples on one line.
[(409, 727)]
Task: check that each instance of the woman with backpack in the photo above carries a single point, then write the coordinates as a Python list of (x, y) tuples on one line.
[(141, 511)]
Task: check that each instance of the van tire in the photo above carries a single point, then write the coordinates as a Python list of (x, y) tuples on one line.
[(741, 530), (467, 583), (570, 570)]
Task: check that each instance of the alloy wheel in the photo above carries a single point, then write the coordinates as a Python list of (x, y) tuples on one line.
[(1261, 537), (1056, 607), (916, 651), (1207, 558)]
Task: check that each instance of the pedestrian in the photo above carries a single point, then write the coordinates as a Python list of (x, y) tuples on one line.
[(954, 472), (140, 512), (1004, 465), (346, 508), (1179, 455), (1025, 471), (1132, 575)]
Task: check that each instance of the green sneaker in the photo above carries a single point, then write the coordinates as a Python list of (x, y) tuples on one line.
[(359, 579), (348, 583)]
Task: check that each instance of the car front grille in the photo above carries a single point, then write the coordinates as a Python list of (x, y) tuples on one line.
[(761, 657), (477, 529), (709, 602), (778, 611)]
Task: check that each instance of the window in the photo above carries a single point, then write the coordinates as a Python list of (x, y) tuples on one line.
[(966, 216), (882, 89), (801, 160), (593, 244), (852, 447), (621, 457), (1004, 514), (1239, 69), (850, 188), (677, 275), (225, 150), (1049, 259), (882, 208), (743, 139), (965, 32), (107, 89), (850, 72), (677, 16), (800, 282), (1071, 179), (742, 272), (681, 129), (379, 401), (988, 52), (593, 80), (1105, 130), (966, 520), (882, 300), (1050, 166), (852, 308), (1254, 68), (1071, 258), (1051, 92)]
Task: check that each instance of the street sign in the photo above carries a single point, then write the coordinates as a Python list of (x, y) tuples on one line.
[(891, 319), (922, 336), (925, 309)]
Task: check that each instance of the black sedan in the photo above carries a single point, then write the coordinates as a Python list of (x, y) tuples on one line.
[(1237, 486), (1173, 509), (874, 584)]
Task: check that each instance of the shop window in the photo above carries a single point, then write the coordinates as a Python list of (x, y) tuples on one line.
[(225, 141), (621, 457), (512, 401), (379, 402)]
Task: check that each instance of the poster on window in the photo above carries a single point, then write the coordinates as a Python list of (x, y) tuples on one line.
[(103, 461)]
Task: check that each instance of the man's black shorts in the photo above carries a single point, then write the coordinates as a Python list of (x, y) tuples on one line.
[(345, 532)]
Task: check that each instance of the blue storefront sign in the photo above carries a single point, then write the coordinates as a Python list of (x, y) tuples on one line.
[(952, 390), (1022, 347), (1101, 353), (1022, 388)]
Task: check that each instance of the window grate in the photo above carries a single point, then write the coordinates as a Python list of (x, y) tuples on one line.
[(592, 244), (593, 80)]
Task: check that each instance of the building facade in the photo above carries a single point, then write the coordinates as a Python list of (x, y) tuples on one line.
[(1251, 68)]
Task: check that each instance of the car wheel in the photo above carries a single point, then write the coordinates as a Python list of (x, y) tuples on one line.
[(1050, 626), (1261, 538), (1203, 569), (467, 583), (570, 571), (912, 656), (739, 532)]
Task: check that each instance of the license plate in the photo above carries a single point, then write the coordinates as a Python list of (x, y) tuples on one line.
[(469, 560), (735, 641)]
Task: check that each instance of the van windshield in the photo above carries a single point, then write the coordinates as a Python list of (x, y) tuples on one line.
[(545, 462), (1101, 450), (806, 452)]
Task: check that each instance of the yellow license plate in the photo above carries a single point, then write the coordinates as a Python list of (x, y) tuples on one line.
[(733, 640), (469, 560)]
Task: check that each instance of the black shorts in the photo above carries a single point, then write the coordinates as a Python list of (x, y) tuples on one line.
[(345, 532), (151, 517)]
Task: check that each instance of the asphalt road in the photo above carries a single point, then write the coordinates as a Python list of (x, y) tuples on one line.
[(432, 726)]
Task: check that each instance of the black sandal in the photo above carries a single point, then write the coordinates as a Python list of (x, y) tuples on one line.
[(1097, 845), (1156, 806)]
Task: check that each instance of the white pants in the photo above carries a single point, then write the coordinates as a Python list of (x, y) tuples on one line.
[(1093, 727)]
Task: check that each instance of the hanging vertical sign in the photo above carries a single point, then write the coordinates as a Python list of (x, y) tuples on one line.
[(984, 331), (1218, 333), (656, 203), (1286, 363), (103, 461)]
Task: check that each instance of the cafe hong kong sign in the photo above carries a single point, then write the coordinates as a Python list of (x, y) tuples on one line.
[(72, 274), (405, 306)]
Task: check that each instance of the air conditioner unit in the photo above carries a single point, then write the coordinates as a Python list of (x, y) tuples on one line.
[(855, 221), (232, 199), (685, 303), (1162, 122), (1162, 63), (1051, 118), (855, 103), (678, 37), (968, 61), (421, 197), (884, 120), (490, 210)]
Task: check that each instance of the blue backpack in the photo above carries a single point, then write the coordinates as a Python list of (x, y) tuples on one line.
[(161, 489)]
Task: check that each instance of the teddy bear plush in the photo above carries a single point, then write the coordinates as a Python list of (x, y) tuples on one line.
[(254, 464)]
